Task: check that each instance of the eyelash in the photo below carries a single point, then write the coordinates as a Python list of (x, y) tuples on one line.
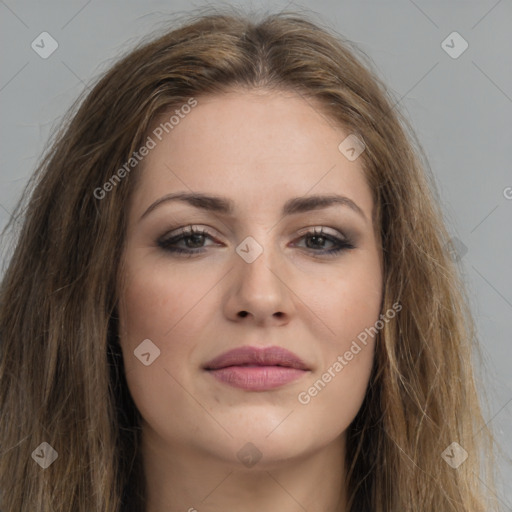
[(167, 243)]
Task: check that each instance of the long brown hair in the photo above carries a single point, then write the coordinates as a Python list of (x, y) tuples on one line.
[(61, 372)]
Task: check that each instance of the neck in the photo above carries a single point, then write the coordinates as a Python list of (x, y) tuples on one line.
[(182, 478)]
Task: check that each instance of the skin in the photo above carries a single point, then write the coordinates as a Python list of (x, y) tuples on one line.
[(258, 149)]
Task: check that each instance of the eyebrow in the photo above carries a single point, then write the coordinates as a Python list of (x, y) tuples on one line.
[(226, 206)]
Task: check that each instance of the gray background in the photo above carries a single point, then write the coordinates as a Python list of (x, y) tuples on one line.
[(460, 109)]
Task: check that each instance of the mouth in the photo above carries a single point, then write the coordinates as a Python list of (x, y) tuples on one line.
[(257, 369)]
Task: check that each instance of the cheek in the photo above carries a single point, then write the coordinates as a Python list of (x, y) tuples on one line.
[(158, 301), (335, 392), (350, 301), (352, 310), (154, 321), (158, 304), (145, 308), (334, 397)]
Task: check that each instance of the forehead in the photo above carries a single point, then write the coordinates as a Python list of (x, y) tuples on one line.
[(259, 148)]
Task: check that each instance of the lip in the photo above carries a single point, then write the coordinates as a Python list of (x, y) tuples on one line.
[(257, 368)]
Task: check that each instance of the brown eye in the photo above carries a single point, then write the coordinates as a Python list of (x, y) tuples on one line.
[(317, 238), (192, 238)]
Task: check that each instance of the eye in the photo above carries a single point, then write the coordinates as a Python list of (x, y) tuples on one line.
[(193, 239), (317, 238)]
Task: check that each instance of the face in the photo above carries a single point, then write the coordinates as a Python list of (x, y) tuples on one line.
[(299, 276)]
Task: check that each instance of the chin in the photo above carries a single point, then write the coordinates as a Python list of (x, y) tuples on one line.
[(263, 446)]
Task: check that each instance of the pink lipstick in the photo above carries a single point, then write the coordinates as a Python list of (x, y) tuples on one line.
[(257, 369)]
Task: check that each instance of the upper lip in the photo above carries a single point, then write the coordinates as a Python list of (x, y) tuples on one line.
[(262, 356)]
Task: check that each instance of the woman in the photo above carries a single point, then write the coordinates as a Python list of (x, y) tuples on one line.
[(177, 335)]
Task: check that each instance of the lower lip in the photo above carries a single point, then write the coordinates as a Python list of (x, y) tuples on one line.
[(257, 378)]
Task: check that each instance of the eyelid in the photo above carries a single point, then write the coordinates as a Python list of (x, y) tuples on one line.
[(325, 229), (188, 230), (206, 230)]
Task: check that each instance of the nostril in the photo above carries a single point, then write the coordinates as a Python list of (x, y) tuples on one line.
[(243, 314)]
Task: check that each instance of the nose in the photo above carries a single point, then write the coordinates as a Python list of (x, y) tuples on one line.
[(259, 290)]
